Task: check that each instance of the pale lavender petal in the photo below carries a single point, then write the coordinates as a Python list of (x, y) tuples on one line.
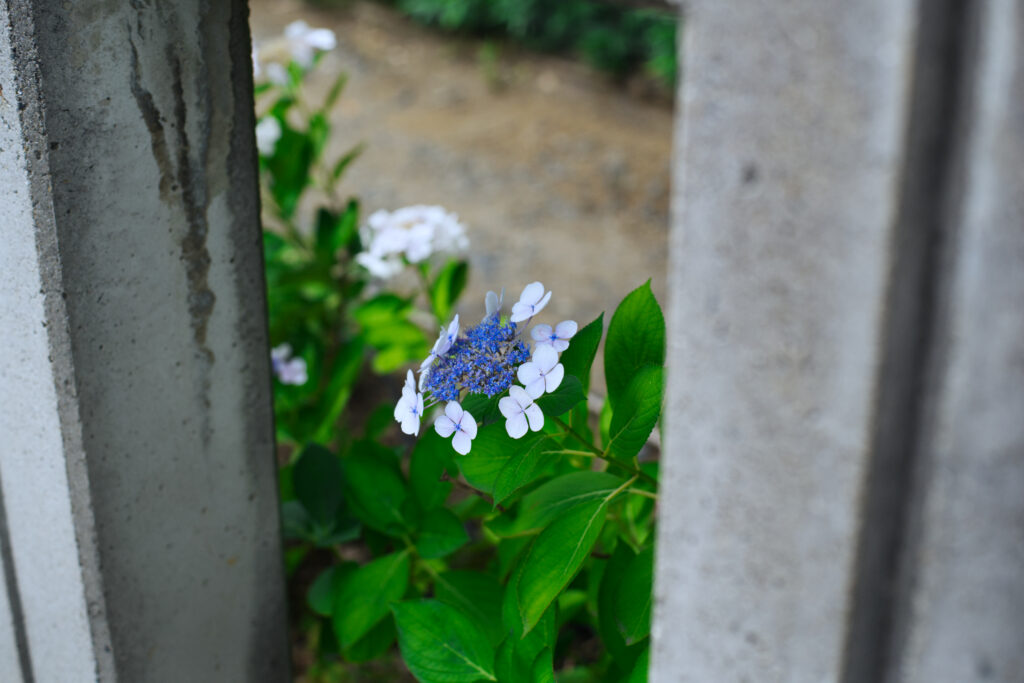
[(542, 303), (516, 425), (468, 424), (411, 424), (462, 443), (454, 411), (535, 388), (536, 417), (559, 345), (444, 426), (554, 378), (520, 396), (528, 372), (541, 333), (532, 293), (545, 357), (521, 312), (566, 329), (509, 407)]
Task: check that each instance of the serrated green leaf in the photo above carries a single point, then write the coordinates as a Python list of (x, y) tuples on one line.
[(321, 595), (551, 499), (518, 651), (483, 408), (376, 490), (318, 482), (543, 669), (555, 557), (431, 457), (441, 533), (534, 453), (636, 338), (568, 394), (366, 595), (611, 583), (579, 357), (374, 644), (637, 413), (477, 596), (441, 645), (492, 448), (632, 609)]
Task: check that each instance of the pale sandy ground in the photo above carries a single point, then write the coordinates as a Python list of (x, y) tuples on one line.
[(560, 176)]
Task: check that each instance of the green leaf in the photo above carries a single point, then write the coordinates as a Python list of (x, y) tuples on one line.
[(611, 584), (447, 287), (441, 645), (322, 594), (543, 669), (374, 644), (441, 533), (568, 394), (366, 594), (333, 231), (492, 448), (533, 456), (376, 490), (477, 596), (335, 91), (632, 607), (579, 357), (639, 673), (637, 413), (636, 338), (483, 408), (317, 480), (555, 557), (343, 373), (346, 160), (517, 653), (430, 458), (553, 498)]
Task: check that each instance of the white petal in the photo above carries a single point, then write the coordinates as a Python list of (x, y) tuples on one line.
[(545, 358), (541, 333), (521, 312), (424, 374), (491, 303), (520, 396), (468, 424), (296, 29), (454, 411), (559, 345), (419, 405), (282, 352), (536, 417), (402, 408), (528, 372), (531, 293), (554, 378), (444, 426), (566, 329), (509, 407), (411, 424), (542, 303), (453, 328), (322, 39), (535, 388), (516, 426), (462, 442)]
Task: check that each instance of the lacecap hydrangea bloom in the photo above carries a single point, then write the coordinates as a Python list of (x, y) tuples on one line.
[(487, 359), (288, 370), (409, 235), (300, 44)]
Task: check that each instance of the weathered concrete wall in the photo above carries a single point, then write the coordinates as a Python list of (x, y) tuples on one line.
[(137, 423), (844, 456)]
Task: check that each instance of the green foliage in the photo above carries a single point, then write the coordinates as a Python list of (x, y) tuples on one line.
[(613, 38)]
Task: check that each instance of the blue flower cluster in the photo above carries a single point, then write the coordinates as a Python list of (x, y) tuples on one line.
[(484, 361)]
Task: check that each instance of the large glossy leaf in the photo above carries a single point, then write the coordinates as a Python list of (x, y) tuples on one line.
[(441, 533), (376, 491), (317, 481), (323, 593), (551, 499), (517, 653), (637, 413), (611, 584), (555, 557), (441, 645), (534, 453), (366, 595), (639, 673), (374, 644), (632, 608), (636, 338), (568, 394), (492, 448), (579, 357), (447, 287), (431, 457), (477, 595)]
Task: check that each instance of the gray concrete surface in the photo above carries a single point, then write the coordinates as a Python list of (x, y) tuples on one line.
[(844, 457), (964, 602), (137, 424)]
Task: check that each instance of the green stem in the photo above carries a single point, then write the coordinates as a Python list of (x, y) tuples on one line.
[(597, 453), (645, 494)]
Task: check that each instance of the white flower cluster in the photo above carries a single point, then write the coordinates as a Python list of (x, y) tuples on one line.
[(299, 44), (410, 234), (288, 370), (543, 373)]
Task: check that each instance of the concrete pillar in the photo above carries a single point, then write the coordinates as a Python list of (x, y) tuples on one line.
[(843, 452), (139, 529)]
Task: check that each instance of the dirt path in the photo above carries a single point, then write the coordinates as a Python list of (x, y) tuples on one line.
[(559, 175)]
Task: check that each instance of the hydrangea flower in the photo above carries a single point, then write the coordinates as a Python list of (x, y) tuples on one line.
[(268, 132), (409, 410), (484, 361), (543, 373), (520, 411), (288, 370), (558, 337), (458, 422), (304, 42), (441, 346), (531, 302), (414, 233), (492, 303)]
